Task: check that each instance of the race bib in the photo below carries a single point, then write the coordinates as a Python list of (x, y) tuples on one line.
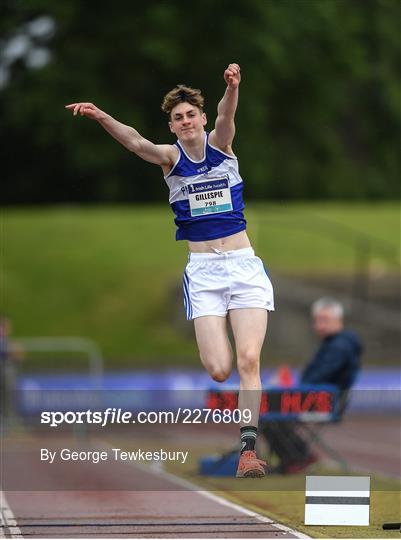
[(210, 197)]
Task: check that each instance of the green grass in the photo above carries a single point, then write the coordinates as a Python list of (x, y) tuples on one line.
[(326, 238), (288, 508), (114, 273)]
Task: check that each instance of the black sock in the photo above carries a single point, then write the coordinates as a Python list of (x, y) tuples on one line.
[(248, 438)]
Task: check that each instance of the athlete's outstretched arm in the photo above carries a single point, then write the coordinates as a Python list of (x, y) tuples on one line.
[(160, 154), (224, 131)]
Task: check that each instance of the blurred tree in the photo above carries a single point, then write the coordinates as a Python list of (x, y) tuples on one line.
[(319, 105)]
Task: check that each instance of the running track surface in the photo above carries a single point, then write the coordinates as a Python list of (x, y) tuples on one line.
[(166, 513), (369, 443), (133, 514), (165, 510)]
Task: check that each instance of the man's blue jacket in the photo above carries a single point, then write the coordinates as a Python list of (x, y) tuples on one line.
[(337, 361)]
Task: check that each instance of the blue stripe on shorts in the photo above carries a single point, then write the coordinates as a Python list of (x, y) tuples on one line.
[(187, 301)]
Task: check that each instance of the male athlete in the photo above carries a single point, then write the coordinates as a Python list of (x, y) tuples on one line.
[(223, 278)]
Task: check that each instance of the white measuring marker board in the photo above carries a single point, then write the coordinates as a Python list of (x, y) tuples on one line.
[(337, 500)]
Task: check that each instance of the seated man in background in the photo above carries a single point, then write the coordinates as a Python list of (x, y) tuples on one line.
[(337, 362)]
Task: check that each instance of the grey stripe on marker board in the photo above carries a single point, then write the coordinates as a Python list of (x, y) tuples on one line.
[(336, 500), (337, 483)]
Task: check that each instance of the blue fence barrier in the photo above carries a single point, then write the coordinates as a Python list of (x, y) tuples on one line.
[(377, 390)]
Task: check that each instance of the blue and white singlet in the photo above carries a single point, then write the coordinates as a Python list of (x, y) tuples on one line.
[(206, 195)]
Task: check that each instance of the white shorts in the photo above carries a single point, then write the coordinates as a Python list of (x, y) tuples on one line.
[(214, 283)]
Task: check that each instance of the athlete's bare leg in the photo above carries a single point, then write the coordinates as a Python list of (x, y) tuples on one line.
[(249, 327), (214, 346)]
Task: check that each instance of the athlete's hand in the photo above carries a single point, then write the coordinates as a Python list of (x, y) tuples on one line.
[(232, 75), (86, 109)]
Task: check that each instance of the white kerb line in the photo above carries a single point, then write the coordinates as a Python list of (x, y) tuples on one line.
[(8, 520)]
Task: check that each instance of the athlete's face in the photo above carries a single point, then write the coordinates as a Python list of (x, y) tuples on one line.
[(187, 122), (326, 323)]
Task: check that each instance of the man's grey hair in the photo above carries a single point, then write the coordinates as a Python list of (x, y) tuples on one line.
[(328, 303)]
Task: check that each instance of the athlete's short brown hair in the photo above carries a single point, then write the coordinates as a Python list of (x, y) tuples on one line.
[(182, 94)]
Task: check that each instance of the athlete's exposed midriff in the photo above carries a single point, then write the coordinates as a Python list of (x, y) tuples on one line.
[(238, 240)]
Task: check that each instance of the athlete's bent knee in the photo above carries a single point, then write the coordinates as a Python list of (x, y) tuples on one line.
[(219, 368), (219, 374)]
